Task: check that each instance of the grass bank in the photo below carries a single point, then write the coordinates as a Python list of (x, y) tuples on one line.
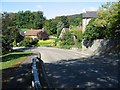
[(45, 43), (13, 59)]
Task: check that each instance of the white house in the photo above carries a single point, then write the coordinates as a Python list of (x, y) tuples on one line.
[(87, 16), (64, 30)]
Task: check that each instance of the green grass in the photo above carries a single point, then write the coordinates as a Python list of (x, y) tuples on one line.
[(49, 42), (24, 29), (13, 59)]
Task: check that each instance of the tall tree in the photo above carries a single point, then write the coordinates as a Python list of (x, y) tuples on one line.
[(7, 38), (51, 26), (39, 20)]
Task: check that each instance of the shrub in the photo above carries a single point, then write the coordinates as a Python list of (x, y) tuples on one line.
[(79, 37), (28, 42), (67, 40)]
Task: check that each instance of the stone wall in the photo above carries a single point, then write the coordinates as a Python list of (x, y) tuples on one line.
[(101, 46)]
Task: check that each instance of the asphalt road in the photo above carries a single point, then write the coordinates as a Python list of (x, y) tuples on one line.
[(72, 69), (51, 54), (65, 69)]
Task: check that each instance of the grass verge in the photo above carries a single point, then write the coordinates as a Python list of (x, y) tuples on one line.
[(49, 42), (13, 59)]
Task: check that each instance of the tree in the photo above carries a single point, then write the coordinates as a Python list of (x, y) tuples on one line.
[(107, 24), (39, 20), (7, 36), (60, 26), (67, 41), (50, 27), (29, 19), (65, 21)]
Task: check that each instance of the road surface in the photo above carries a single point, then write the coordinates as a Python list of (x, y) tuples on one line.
[(69, 68), (66, 69)]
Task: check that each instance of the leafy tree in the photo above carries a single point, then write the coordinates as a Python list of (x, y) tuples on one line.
[(75, 20), (39, 20), (27, 41), (107, 24), (50, 26), (29, 19), (60, 26), (65, 21), (67, 41), (7, 35)]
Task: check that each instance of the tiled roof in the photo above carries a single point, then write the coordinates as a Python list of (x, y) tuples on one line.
[(90, 14), (32, 32)]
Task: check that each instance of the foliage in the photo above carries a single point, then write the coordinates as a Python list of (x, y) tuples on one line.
[(12, 59), (67, 40), (92, 32), (28, 42), (29, 19), (60, 26), (64, 20), (69, 20), (24, 29), (10, 33), (78, 37), (50, 42), (107, 24), (75, 20), (50, 26)]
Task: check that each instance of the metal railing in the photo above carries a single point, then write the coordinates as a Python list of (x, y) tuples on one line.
[(36, 82), (37, 71)]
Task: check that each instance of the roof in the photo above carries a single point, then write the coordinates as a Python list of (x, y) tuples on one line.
[(32, 32), (90, 14)]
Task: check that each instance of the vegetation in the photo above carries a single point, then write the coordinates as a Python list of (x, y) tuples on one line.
[(13, 59), (107, 25), (29, 19), (28, 42), (51, 26), (10, 33), (60, 26), (50, 42), (67, 40)]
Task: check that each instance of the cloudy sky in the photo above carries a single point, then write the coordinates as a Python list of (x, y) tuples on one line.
[(51, 9)]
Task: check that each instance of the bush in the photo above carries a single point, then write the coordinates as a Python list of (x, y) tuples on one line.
[(79, 37), (28, 42), (67, 40)]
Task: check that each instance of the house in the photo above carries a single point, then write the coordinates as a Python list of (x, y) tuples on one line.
[(86, 17), (63, 31), (34, 33)]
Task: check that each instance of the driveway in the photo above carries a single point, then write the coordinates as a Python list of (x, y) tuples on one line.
[(69, 68)]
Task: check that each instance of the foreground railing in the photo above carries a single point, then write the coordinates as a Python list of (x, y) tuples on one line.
[(36, 82), (40, 81)]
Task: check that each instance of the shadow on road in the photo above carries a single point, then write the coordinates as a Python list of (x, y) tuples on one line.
[(17, 78), (93, 72)]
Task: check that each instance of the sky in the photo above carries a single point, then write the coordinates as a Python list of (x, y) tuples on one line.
[(51, 9)]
